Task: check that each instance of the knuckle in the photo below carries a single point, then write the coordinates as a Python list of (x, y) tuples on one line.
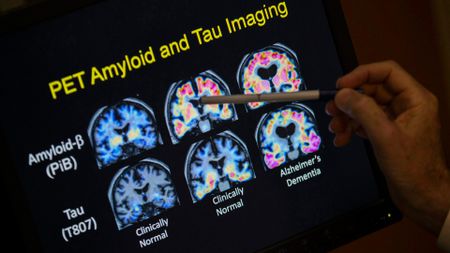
[(362, 102), (360, 105), (360, 67), (392, 63)]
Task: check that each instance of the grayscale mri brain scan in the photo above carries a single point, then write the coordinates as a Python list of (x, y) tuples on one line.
[(141, 191)]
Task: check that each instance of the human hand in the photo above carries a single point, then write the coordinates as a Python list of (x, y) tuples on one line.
[(400, 119)]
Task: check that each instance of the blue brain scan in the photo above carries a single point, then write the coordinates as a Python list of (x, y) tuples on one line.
[(269, 70), (141, 191), (186, 116), (286, 134), (120, 131), (217, 164)]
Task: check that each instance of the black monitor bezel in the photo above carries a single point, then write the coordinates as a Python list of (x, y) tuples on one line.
[(330, 235)]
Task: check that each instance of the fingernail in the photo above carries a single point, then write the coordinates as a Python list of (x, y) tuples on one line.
[(338, 85), (330, 128), (327, 111), (335, 142)]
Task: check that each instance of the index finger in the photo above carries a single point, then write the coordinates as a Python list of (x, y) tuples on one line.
[(391, 75)]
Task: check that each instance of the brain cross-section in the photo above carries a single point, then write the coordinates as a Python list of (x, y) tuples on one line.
[(217, 164), (120, 131), (141, 191), (186, 116), (215, 161), (286, 134), (269, 70)]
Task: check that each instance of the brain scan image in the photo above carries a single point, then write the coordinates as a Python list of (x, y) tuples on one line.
[(217, 164), (141, 191), (186, 116), (270, 70), (286, 134), (123, 130)]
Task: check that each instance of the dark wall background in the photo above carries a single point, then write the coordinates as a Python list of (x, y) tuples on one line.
[(413, 33)]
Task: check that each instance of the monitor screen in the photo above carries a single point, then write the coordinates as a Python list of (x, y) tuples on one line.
[(115, 152)]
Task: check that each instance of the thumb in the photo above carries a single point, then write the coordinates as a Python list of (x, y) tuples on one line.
[(364, 110)]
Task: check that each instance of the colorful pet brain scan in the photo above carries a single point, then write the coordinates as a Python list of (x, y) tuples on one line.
[(141, 191), (217, 164), (286, 134), (186, 116), (271, 69), (123, 130)]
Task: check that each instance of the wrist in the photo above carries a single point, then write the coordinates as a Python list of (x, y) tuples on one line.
[(444, 234), (432, 207), (443, 200)]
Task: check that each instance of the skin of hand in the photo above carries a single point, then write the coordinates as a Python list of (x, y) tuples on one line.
[(400, 119)]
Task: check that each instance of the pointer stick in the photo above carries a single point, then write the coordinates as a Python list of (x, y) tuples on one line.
[(270, 97)]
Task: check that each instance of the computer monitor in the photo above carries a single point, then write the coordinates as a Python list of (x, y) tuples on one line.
[(107, 147)]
